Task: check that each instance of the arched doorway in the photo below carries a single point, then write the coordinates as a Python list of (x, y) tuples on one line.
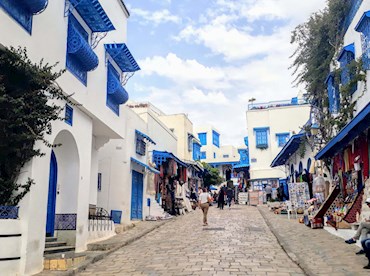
[(63, 188)]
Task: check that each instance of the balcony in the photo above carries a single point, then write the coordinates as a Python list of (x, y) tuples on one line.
[(274, 104)]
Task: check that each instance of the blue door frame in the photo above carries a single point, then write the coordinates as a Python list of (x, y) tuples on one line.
[(52, 194), (137, 195)]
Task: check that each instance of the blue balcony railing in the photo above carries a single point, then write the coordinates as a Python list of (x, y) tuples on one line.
[(273, 104)]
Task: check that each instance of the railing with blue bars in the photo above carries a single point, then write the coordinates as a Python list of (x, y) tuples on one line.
[(272, 104)]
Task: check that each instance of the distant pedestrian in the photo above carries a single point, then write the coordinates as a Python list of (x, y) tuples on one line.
[(268, 191), (229, 194), (204, 201), (221, 198)]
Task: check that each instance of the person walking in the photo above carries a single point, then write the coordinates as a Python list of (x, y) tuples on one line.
[(229, 194), (268, 191), (204, 199), (221, 198)]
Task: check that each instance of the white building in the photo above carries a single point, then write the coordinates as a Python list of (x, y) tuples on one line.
[(212, 152), (270, 125), (87, 38)]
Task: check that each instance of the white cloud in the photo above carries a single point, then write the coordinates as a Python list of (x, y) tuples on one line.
[(254, 64), (154, 17)]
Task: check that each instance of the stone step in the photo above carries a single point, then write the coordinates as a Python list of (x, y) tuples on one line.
[(50, 239), (63, 261), (59, 249), (55, 244)]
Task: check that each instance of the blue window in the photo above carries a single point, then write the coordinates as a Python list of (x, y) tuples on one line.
[(261, 137), (300, 168), (140, 145), (196, 151), (346, 56), (99, 182), (22, 11), (203, 138), (308, 164), (80, 56), (282, 138), (203, 155), (214, 155), (244, 156), (333, 94), (215, 138), (363, 26), (68, 118), (116, 94)]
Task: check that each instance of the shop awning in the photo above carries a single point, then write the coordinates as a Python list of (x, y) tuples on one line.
[(144, 136), (223, 163), (353, 129), (93, 14), (161, 156), (122, 56), (289, 148), (144, 165), (239, 166)]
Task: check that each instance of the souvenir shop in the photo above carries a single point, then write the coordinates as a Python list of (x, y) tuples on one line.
[(348, 157), (169, 182)]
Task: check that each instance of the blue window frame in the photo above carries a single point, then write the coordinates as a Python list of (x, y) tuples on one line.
[(114, 90), (215, 138), (308, 164), (99, 182), (214, 155), (282, 138), (196, 151), (203, 138), (261, 137), (300, 168), (140, 145), (346, 56), (363, 26), (68, 118), (333, 94), (203, 155), (22, 11)]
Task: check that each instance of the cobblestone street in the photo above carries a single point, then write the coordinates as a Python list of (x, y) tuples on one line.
[(236, 242)]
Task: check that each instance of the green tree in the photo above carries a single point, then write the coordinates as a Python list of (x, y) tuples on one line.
[(212, 175), (27, 108), (318, 42)]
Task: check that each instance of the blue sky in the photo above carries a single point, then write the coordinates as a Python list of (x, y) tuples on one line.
[(207, 58)]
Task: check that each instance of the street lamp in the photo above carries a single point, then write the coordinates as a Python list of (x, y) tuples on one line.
[(314, 129)]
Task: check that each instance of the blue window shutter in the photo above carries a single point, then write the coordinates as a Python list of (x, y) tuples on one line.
[(203, 138), (261, 137), (19, 12), (196, 151), (282, 138), (346, 56), (203, 155), (68, 118), (333, 94), (215, 138)]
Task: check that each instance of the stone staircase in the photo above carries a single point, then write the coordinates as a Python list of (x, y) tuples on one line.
[(155, 209), (59, 256)]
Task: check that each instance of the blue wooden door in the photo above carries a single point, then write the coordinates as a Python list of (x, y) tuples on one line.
[(53, 176), (137, 196)]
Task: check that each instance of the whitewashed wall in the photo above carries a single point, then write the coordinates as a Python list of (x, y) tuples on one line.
[(279, 120)]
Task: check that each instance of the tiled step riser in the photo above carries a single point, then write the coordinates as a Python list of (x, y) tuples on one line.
[(50, 239)]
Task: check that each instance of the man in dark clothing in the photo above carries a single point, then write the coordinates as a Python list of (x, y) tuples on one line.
[(221, 198), (229, 194), (268, 191)]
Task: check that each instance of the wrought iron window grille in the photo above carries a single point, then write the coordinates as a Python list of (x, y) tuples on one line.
[(9, 212)]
